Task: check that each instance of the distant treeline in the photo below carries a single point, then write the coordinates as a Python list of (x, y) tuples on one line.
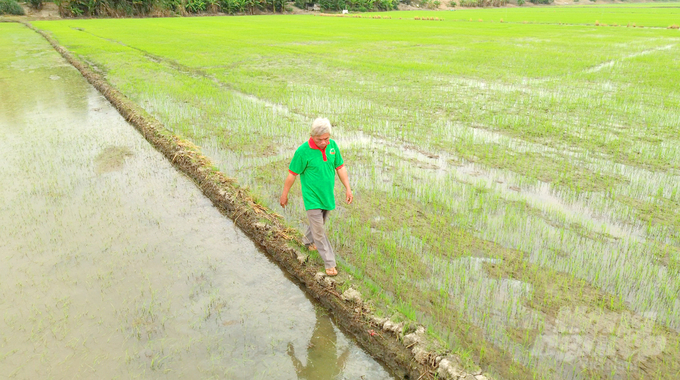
[(123, 8), (351, 5), (118, 8)]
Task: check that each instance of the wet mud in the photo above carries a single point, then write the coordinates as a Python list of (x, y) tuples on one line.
[(112, 158)]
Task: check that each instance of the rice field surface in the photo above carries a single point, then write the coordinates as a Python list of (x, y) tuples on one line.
[(115, 266), (516, 185), (635, 14)]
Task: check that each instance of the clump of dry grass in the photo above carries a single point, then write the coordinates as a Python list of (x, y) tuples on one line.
[(674, 26)]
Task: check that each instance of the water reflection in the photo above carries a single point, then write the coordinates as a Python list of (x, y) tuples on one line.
[(31, 79), (323, 361)]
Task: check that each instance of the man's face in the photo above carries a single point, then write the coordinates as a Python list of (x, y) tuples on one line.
[(322, 140)]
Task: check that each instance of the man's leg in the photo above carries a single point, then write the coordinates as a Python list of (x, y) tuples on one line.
[(308, 238), (317, 219)]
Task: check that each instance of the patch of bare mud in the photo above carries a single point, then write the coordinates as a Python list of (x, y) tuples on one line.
[(112, 158)]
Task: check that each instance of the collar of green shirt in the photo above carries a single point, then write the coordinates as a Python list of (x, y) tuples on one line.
[(313, 146)]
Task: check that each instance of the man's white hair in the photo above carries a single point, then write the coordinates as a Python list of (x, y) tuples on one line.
[(320, 126)]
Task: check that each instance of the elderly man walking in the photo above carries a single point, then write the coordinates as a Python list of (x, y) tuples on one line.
[(316, 162)]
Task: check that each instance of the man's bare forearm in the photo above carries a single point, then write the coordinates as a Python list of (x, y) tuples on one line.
[(344, 178), (287, 184)]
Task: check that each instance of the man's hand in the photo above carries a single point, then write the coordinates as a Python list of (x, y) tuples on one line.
[(284, 200), (349, 196)]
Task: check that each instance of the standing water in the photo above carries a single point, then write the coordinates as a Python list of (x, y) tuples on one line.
[(114, 265)]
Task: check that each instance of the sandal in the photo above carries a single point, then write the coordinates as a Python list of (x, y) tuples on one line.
[(331, 272)]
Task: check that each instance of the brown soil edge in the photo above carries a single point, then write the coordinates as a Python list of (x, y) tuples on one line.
[(407, 352)]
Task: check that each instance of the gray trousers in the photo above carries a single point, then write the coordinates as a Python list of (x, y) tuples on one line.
[(316, 233)]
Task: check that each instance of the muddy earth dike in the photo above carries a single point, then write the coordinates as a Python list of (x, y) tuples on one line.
[(406, 351)]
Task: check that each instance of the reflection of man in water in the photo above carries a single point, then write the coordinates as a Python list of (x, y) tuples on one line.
[(322, 360)]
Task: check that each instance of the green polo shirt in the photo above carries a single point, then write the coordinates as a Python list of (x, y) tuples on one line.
[(317, 168)]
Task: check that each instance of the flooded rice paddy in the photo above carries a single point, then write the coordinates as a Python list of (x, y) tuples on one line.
[(114, 265), (529, 219)]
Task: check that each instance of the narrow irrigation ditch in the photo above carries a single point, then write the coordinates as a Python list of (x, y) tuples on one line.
[(405, 350)]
